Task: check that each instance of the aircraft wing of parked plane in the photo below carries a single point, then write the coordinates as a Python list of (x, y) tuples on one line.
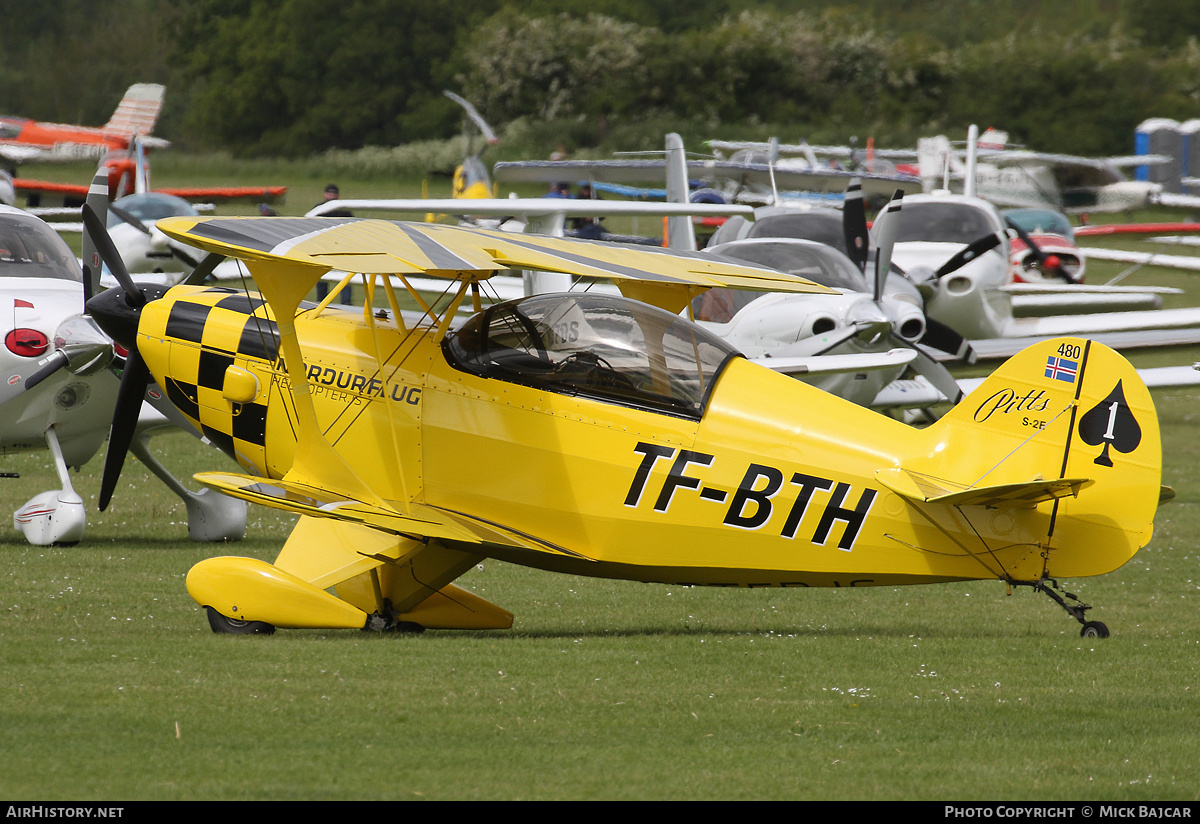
[(740, 174)]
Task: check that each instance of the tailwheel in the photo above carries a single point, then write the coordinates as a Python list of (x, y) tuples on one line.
[(232, 626), (385, 619), (1070, 602)]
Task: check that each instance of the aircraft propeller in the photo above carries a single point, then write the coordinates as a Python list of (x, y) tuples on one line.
[(117, 311), (177, 249), (937, 336), (1047, 263)]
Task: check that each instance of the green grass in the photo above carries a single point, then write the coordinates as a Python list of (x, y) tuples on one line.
[(113, 688)]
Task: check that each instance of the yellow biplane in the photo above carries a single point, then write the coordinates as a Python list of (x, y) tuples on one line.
[(598, 435)]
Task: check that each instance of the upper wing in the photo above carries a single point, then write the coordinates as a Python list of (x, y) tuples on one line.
[(317, 245), (18, 153)]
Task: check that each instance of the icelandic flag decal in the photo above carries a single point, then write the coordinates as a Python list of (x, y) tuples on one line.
[(1062, 369)]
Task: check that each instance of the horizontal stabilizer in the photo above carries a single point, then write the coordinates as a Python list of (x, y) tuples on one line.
[(921, 488)]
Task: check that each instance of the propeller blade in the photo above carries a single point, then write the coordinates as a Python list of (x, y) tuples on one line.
[(57, 361), (938, 375), (854, 224), (887, 225), (970, 252), (97, 198), (822, 344), (129, 218), (109, 254), (134, 381), (19, 383), (1036, 251), (184, 253), (941, 337)]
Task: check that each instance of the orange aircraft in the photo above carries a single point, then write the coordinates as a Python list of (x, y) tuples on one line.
[(119, 145)]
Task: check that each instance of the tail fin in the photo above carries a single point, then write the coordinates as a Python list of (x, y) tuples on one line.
[(138, 110), (680, 233), (1066, 427)]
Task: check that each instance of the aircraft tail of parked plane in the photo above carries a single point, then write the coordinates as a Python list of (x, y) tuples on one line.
[(138, 111)]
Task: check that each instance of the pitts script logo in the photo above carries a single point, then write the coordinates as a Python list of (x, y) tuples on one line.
[(1111, 423), (1007, 401)]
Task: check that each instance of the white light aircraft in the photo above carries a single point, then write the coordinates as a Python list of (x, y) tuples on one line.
[(59, 388)]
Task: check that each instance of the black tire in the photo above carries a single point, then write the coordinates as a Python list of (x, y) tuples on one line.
[(1093, 629), (232, 626)]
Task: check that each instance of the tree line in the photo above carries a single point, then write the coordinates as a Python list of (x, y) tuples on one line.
[(295, 77)]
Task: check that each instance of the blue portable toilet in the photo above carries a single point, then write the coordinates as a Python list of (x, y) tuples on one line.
[(1160, 136)]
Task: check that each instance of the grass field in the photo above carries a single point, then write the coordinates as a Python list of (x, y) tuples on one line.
[(112, 687)]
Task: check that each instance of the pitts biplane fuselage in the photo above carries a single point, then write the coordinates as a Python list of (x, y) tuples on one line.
[(598, 435), (730, 475)]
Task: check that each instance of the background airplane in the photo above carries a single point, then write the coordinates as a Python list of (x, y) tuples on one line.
[(471, 177), (120, 146), (23, 140), (847, 341), (754, 179), (1014, 178)]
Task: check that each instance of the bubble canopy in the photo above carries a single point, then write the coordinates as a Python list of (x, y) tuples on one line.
[(599, 346)]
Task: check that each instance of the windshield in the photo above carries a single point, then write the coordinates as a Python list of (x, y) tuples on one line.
[(942, 223), (31, 249), (1041, 221), (150, 207), (605, 347), (808, 259), (818, 226)]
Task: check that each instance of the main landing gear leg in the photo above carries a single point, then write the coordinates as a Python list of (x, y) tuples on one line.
[(1075, 608)]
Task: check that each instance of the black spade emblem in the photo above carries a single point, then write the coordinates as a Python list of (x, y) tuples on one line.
[(1111, 423)]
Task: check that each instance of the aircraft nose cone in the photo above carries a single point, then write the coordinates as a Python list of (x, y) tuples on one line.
[(112, 313)]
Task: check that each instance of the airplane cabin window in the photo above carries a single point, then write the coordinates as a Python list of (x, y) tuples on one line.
[(815, 261), (598, 346), (822, 228), (942, 223), (31, 249), (1044, 221), (149, 207)]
